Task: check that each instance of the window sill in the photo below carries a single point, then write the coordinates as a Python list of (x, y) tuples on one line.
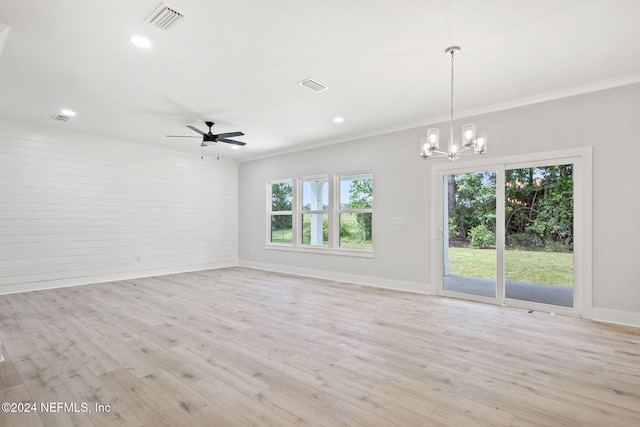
[(362, 253)]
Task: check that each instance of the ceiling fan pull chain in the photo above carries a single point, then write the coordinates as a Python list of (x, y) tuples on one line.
[(202, 154)]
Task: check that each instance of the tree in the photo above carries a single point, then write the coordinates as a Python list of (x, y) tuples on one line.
[(540, 207), (281, 198), (361, 197), (471, 202)]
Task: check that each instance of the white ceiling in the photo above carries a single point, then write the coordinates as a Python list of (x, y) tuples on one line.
[(238, 63)]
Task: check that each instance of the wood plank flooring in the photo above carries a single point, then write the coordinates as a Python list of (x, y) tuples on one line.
[(243, 347)]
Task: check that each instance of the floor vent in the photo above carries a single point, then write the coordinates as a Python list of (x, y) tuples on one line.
[(164, 17), (313, 85)]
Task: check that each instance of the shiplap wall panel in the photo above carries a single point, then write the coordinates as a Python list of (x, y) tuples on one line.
[(77, 210)]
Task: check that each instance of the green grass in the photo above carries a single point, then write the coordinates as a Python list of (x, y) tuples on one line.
[(281, 236), (552, 268)]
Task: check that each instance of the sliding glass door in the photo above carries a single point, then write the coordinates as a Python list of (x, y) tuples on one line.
[(506, 233)]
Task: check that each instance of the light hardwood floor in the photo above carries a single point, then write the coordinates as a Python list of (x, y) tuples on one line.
[(236, 347)]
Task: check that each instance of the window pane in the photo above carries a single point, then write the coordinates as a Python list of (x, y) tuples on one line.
[(355, 230), (281, 228), (315, 194), (356, 191), (281, 196), (315, 229)]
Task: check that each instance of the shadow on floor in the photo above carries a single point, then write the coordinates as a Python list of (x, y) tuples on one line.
[(534, 292)]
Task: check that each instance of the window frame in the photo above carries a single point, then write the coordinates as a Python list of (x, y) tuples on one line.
[(271, 213), (340, 210), (333, 216), (301, 211)]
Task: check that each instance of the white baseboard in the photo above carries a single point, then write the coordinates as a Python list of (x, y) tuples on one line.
[(618, 317), (399, 285), (94, 279)]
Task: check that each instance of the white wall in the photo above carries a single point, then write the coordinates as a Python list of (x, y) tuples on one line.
[(607, 120), (79, 209)]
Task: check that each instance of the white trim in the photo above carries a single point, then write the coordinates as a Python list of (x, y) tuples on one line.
[(104, 278), (323, 250), (627, 318), (397, 285)]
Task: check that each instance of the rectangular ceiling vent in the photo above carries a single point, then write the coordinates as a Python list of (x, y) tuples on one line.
[(164, 17), (61, 118), (313, 85)]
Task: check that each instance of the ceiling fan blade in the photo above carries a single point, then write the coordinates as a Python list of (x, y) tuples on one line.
[(196, 130), (231, 141), (230, 134), (181, 136)]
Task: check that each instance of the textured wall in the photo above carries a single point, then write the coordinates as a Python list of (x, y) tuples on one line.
[(77, 210)]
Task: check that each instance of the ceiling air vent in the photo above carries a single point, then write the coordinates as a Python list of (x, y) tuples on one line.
[(61, 118), (164, 17), (313, 85)]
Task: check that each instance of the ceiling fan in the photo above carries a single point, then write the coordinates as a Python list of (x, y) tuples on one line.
[(211, 138)]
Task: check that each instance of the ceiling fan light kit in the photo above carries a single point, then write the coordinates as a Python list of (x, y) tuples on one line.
[(472, 142)]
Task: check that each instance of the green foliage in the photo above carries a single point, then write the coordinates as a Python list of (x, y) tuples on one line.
[(481, 237), (453, 228), (360, 194), (281, 228), (361, 197), (306, 229), (471, 202), (281, 200), (352, 231), (538, 207)]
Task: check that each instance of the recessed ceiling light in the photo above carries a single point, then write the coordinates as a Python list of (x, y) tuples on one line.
[(235, 147), (140, 41), (338, 119), (68, 113)]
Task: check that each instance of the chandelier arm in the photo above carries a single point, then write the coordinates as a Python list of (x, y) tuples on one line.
[(444, 153)]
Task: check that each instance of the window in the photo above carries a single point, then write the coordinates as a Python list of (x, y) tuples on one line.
[(329, 214), (356, 210), (281, 211), (315, 211)]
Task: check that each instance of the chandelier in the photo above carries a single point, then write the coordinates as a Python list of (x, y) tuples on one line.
[(471, 140)]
